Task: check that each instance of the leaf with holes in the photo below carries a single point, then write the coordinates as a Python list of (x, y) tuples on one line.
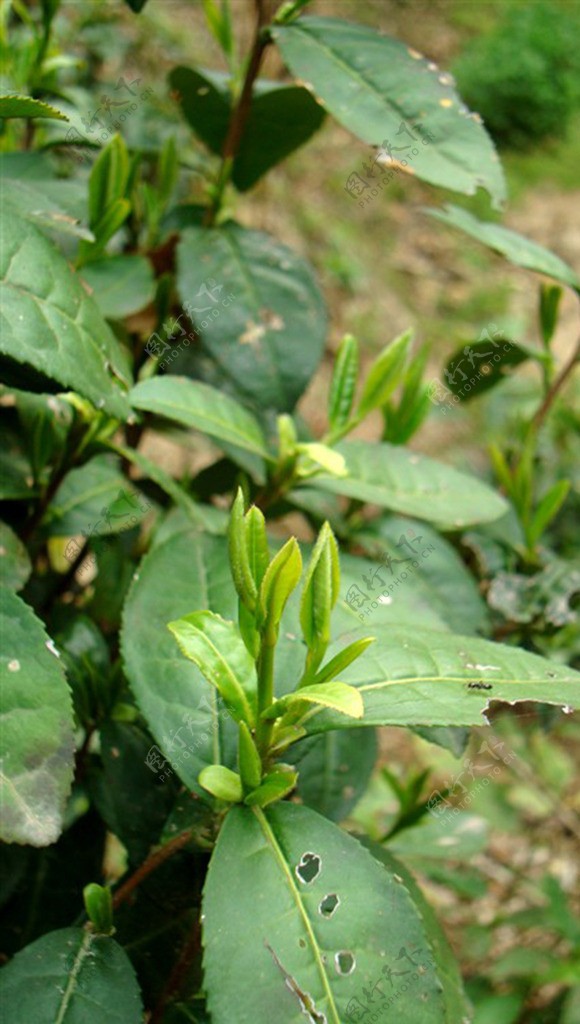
[(515, 247), (314, 934), (71, 976), (263, 324), (391, 476), (434, 678), (282, 118), (37, 728), (204, 408), (49, 321), (389, 95)]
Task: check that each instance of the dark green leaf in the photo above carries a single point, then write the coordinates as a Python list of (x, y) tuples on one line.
[(71, 977), (37, 731), (334, 769), (377, 87), (126, 792), (441, 578), (184, 714), (487, 365), (263, 333), (282, 118), (15, 567), (50, 322), (120, 285), (95, 499)]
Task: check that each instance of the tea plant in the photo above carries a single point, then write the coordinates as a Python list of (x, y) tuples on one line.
[(182, 701)]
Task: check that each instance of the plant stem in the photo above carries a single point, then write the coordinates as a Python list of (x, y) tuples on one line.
[(240, 114), (154, 861), (556, 386), (265, 692)]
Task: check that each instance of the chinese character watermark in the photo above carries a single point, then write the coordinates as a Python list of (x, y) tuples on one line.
[(208, 308), (387, 162), (440, 807), (370, 1006), (180, 749), (356, 598), (440, 394), (96, 123)]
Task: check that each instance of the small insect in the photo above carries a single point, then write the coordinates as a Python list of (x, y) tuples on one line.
[(479, 686)]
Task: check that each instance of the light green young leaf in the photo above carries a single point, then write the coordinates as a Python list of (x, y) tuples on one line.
[(343, 659), (275, 787), (282, 576), (323, 456), (222, 783), (384, 375), (548, 508), (242, 575), (338, 696), (343, 386), (249, 760), (220, 654), (108, 180), (320, 592), (257, 543)]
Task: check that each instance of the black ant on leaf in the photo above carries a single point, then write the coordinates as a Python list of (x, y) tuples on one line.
[(480, 685)]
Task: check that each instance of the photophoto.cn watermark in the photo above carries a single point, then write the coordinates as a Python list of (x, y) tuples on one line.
[(94, 123), (440, 807), (387, 164), (201, 315), (356, 598), (370, 1004), (440, 394), (180, 749)]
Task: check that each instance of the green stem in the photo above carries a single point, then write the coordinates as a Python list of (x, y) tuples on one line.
[(265, 692), (240, 115)]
